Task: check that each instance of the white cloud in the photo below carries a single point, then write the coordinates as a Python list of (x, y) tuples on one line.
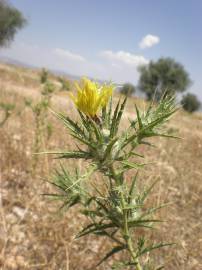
[(125, 58), (69, 55), (149, 41), (117, 70)]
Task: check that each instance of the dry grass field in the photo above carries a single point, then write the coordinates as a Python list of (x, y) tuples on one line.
[(34, 235)]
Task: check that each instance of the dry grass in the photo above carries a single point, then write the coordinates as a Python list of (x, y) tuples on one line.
[(34, 236)]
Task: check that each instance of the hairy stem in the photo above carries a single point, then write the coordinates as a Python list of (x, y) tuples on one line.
[(125, 229)]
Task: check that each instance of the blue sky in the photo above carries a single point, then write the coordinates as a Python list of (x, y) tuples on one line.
[(109, 39)]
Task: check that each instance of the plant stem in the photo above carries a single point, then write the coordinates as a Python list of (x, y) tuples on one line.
[(125, 229)]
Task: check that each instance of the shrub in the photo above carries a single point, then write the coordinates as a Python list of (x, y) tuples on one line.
[(7, 109), (43, 128), (65, 84), (48, 88), (128, 89), (190, 103), (44, 75)]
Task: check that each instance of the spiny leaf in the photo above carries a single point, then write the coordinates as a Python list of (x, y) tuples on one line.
[(132, 187), (84, 121), (136, 154), (109, 148), (95, 228), (112, 252), (153, 210), (132, 165), (84, 141), (73, 154), (113, 122), (70, 202), (96, 130), (104, 115), (147, 191), (138, 117), (70, 124), (142, 222), (120, 113), (76, 155), (110, 107), (155, 246), (159, 268), (54, 195)]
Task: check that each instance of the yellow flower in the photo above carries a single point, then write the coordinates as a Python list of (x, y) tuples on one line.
[(91, 97)]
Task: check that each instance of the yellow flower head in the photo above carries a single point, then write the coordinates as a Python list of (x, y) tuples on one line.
[(91, 97)]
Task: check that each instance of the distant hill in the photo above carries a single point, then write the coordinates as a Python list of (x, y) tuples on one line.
[(8, 60)]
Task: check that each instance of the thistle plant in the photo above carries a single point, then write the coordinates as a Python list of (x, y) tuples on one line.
[(65, 84), (116, 207), (44, 75), (43, 127), (7, 109)]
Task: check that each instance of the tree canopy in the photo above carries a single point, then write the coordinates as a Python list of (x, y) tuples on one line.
[(190, 102), (128, 89), (11, 20), (165, 76)]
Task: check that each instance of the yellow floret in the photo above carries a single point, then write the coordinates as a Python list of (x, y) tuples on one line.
[(91, 97)]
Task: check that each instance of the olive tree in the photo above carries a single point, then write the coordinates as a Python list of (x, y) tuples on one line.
[(163, 77), (190, 103), (11, 20), (127, 89)]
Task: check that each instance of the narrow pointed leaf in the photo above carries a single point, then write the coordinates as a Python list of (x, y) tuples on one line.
[(112, 252), (138, 117), (156, 246), (132, 187), (113, 122), (132, 165)]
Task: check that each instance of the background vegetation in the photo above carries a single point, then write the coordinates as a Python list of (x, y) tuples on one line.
[(11, 20), (163, 77), (128, 89), (190, 103)]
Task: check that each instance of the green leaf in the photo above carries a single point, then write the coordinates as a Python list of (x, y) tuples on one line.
[(132, 165), (84, 121), (109, 147), (73, 154), (70, 124), (136, 154), (71, 202), (147, 191), (138, 118), (112, 252), (108, 115), (153, 210), (142, 222), (84, 141), (113, 122), (159, 268), (152, 247), (120, 113), (132, 187), (96, 130), (91, 213), (94, 228), (131, 207), (104, 115)]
